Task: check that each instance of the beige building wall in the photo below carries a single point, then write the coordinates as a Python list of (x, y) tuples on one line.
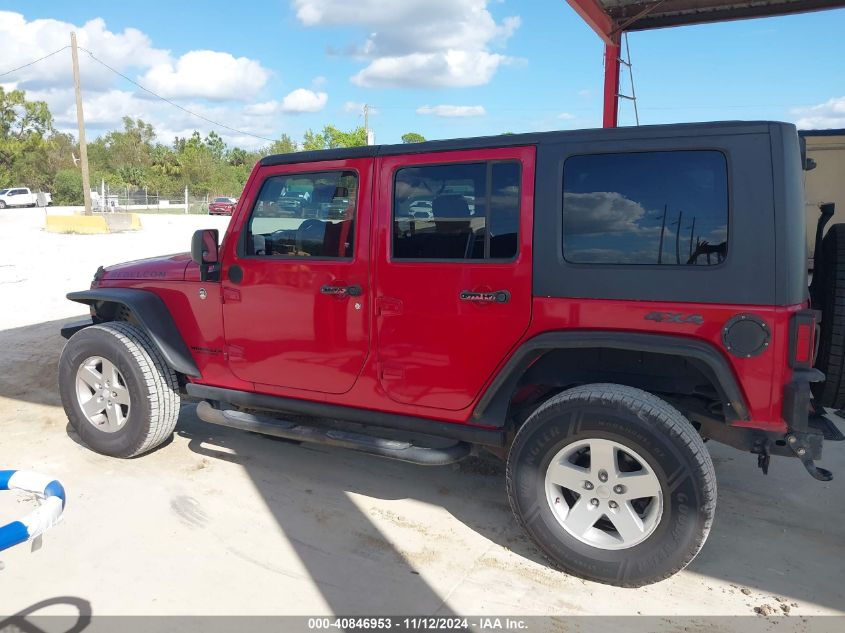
[(825, 183)]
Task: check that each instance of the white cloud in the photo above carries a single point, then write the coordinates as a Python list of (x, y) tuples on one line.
[(303, 100), (602, 212), (265, 108), (194, 79), (299, 101), (318, 82), (207, 74), (25, 40), (827, 115), (450, 69), (419, 43), (452, 110), (565, 116)]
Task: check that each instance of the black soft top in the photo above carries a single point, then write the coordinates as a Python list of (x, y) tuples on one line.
[(535, 138)]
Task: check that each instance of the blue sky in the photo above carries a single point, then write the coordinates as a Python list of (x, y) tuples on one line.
[(288, 65)]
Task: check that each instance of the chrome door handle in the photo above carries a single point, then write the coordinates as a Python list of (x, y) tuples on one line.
[(493, 296), (341, 291)]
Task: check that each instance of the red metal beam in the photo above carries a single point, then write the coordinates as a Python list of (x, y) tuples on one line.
[(595, 16), (611, 83)]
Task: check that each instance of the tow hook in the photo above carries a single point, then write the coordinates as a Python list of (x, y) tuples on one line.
[(800, 446)]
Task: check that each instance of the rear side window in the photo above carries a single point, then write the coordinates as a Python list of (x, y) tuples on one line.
[(304, 215), (456, 211), (668, 208)]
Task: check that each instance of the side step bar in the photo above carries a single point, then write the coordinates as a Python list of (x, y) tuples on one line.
[(393, 449)]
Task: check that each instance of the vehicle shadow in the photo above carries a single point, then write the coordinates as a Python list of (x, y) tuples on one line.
[(319, 498), (29, 358), (758, 541)]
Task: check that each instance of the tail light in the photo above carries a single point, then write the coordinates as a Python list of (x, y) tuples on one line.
[(803, 339)]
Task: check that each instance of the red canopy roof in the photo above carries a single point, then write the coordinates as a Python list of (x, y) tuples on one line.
[(609, 18)]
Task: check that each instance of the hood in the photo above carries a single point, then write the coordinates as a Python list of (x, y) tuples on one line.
[(163, 268)]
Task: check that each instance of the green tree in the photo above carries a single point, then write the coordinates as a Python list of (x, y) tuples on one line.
[(131, 147), (283, 145), (25, 127), (165, 162), (331, 137), (215, 145), (313, 140), (413, 137), (337, 138), (67, 187)]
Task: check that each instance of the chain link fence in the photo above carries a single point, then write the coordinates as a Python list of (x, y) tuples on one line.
[(141, 200)]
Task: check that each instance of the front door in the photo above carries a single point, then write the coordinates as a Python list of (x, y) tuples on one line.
[(453, 273), (296, 285)]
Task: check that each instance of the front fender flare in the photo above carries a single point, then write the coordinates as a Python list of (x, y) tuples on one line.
[(153, 317), (492, 408)]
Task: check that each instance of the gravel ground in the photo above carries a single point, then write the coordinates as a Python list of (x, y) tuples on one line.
[(224, 522)]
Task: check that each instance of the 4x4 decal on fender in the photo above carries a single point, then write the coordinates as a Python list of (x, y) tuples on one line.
[(674, 317)]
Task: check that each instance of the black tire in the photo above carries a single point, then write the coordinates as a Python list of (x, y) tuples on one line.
[(828, 292), (640, 422), (152, 385), (2, 204)]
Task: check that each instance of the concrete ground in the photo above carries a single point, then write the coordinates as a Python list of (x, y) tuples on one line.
[(225, 522)]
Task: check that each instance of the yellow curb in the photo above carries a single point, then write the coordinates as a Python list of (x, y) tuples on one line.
[(93, 224)]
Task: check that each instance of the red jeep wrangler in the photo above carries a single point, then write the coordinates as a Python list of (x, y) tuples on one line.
[(590, 306)]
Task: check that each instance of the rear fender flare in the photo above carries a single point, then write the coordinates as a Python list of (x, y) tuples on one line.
[(492, 408), (152, 316)]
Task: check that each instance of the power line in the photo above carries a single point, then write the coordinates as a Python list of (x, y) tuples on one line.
[(173, 103), (35, 61)]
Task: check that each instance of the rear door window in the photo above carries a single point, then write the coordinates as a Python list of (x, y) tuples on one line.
[(666, 208), (456, 211)]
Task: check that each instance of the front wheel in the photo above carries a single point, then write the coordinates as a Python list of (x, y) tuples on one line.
[(2, 205), (613, 484), (119, 394)]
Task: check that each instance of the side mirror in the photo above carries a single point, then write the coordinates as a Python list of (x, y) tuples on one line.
[(205, 250)]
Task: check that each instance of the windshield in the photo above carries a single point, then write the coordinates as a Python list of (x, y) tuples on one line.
[(3, 192), (222, 200)]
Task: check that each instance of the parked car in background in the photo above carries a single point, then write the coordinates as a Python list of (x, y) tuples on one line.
[(23, 197), (222, 206)]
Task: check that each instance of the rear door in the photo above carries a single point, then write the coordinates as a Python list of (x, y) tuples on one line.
[(453, 270), (296, 286)]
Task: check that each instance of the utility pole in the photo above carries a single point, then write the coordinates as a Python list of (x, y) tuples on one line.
[(678, 238), (80, 121), (367, 124), (662, 231), (691, 232)]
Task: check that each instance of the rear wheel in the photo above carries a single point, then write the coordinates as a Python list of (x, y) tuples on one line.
[(119, 394), (613, 484), (828, 291)]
